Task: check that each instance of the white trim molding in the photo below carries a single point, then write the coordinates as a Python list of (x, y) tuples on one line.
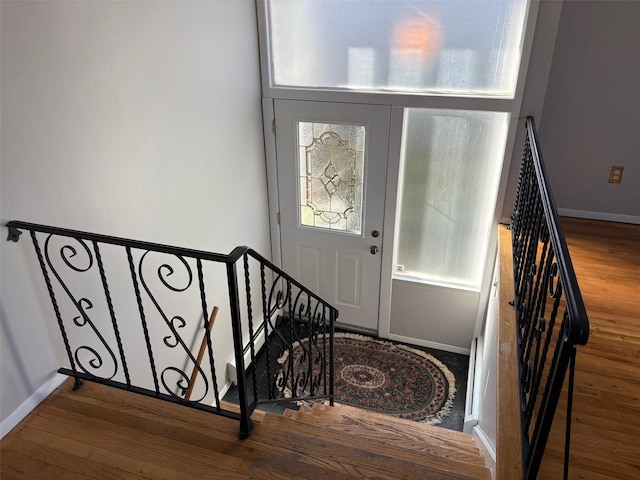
[(425, 343), (487, 449), (30, 403), (608, 217)]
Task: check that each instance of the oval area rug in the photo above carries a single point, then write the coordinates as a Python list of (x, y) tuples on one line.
[(388, 378)]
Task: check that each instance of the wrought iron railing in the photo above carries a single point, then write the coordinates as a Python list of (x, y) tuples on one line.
[(550, 315), (131, 314)]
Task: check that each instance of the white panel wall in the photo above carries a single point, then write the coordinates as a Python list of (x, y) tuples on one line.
[(136, 119), (486, 388), (433, 316)]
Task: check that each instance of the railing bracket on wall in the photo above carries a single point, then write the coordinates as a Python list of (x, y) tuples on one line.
[(14, 234)]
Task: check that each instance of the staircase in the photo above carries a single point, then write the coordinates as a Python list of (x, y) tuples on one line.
[(380, 446)]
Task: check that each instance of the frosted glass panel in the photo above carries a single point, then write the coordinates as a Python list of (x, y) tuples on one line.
[(450, 173), (451, 46), (331, 171)]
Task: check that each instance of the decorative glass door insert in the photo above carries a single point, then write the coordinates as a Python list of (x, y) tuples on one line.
[(331, 171)]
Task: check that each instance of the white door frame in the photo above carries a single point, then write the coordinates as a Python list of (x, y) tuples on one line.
[(358, 299)]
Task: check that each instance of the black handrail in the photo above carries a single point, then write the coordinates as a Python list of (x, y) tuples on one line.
[(550, 312), (80, 270)]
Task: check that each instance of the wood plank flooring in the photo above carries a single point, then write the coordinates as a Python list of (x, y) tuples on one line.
[(606, 409), (102, 433)]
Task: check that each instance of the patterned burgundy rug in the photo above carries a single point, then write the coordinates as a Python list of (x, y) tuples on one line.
[(388, 378)]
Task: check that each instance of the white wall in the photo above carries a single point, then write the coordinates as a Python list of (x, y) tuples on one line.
[(532, 104), (535, 89), (433, 316), (486, 387), (135, 119), (590, 121)]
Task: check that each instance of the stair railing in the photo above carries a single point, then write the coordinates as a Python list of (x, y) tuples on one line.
[(130, 313), (550, 314)]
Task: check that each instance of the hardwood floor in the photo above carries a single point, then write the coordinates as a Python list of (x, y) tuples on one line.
[(102, 433), (605, 440), (606, 408)]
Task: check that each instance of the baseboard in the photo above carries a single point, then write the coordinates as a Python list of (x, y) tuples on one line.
[(30, 403), (472, 402), (607, 217), (223, 391), (424, 343), (487, 449)]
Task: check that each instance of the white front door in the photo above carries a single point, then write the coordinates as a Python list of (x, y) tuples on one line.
[(332, 163)]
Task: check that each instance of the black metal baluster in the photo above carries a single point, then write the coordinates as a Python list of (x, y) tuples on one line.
[(548, 404), (265, 321), (292, 319), (312, 343), (539, 295), (332, 320), (112, 314), (246, 425), (247, 281), (207, 330), (567, 438), (56, 308), (143, 319), (537, 375)]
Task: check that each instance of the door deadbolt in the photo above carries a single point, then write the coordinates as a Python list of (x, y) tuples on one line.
[(374, 249), (375, 234)]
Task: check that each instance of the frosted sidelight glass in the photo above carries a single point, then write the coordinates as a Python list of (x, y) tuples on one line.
[(442, 47), (331, 171), (451, 165)]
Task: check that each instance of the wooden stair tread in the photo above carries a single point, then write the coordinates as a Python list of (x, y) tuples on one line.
[(428, 451), (257, 415), (365, 426), (375, 457), (336, 413)]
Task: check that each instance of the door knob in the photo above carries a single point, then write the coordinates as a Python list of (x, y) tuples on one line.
[(374, 249)]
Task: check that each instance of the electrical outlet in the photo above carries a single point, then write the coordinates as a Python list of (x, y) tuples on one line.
[(399, 268), (616, 174)]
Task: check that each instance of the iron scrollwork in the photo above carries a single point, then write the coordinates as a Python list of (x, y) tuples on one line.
[(71, 261), (548, 303), (165, 273), (298, 322), (81, 262)]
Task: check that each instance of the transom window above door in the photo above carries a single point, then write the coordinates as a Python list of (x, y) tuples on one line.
[(437, 47)]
